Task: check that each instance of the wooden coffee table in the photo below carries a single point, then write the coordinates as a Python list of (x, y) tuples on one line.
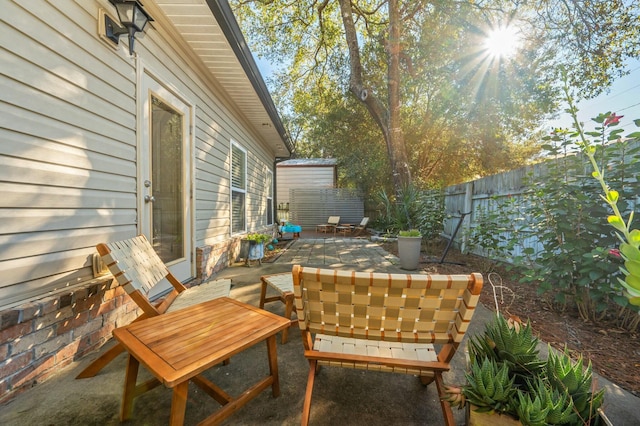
[(178, 346)]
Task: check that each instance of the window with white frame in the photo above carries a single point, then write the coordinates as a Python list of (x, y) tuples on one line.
[(269, 192), (238, 188)]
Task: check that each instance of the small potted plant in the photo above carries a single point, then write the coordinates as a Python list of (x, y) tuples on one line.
[(509, 384), (409, 246), (255, 249)]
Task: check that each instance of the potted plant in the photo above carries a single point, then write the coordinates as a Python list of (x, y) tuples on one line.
[(509, 384), (409, 245), (255, 248)]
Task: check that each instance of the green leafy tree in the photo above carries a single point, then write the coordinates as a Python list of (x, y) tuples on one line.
[(410, 63)]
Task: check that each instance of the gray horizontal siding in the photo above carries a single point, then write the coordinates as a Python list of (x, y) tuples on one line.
[(311, 207)]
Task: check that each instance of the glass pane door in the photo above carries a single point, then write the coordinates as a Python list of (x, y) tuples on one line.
[(167, 176)]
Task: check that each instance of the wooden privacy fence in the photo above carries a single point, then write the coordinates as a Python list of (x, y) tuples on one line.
[(483, 195), (312, 206), (467, 201)]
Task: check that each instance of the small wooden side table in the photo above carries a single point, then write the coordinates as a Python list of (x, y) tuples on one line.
[(344, 229), (178, 346), (283, 285)]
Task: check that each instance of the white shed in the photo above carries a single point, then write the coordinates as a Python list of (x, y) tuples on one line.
[(303, 173)]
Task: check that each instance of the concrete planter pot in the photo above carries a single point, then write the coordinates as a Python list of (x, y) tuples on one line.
[(409, 252)]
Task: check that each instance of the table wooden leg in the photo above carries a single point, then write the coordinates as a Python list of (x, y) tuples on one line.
[(179, 404), (273, 365), (130, 379)]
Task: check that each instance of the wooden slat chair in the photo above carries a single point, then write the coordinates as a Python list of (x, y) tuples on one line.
[(383, 322), (330, 226), (136, 266), (359, 229)]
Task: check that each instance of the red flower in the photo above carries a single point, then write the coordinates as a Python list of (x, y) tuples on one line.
[(615, 252), (613, 119)]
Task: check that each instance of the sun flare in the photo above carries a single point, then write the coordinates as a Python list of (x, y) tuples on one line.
[(503, 41)]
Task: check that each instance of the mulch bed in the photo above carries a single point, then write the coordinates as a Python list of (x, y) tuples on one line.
[(280, 247)]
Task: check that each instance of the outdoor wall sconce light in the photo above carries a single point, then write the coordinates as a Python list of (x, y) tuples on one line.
[(133, 18)]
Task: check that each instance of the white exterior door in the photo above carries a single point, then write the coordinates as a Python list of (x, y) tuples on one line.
[(165, 176)]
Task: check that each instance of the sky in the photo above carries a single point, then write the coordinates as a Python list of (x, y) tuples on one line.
[(623, 98)]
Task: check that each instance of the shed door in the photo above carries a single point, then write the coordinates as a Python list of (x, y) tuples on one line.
[(165, 177)]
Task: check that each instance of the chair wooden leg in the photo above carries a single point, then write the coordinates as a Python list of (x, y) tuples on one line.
[(288, 310), (263, 293), (426, 380), (306, 409), (446, 407), (99, 363)]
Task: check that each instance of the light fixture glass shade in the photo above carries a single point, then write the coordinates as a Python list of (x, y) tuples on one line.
[(140, 18), (132, 15)]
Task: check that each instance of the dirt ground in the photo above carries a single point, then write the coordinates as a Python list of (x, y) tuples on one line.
[(613, 352)]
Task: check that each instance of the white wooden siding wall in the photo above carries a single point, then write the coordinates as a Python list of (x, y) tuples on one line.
[(313, 206), (291, 177), (68, 143)]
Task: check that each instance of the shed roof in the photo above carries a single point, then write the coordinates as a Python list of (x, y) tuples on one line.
[(308, 162)]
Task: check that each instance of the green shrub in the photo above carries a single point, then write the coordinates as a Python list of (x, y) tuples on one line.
[(412, 209)]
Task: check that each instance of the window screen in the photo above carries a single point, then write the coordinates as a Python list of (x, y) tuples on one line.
[(238, 188)]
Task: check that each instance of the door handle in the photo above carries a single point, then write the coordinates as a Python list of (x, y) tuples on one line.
[(149, 198)]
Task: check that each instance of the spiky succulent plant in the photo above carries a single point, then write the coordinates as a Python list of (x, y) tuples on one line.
[(489, 387), (507, 376), (576, 380), (531, 412), (558, 404), (514, 345)]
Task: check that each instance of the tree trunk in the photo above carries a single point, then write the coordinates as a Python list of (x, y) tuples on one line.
[(395, 139), (386, 117)]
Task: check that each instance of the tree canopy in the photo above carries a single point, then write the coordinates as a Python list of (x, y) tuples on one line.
[(408, 91)]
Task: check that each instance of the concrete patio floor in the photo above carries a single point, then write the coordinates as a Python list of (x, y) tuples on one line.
[(341, 396)]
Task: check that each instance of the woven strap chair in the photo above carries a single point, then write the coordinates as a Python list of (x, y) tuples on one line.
[(138, 268), (359, 229), (330, 226), (383, 322)]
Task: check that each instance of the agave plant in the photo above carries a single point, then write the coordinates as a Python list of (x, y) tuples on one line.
[(511, 343), (572, 378), (489, 386), (507, 376)]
